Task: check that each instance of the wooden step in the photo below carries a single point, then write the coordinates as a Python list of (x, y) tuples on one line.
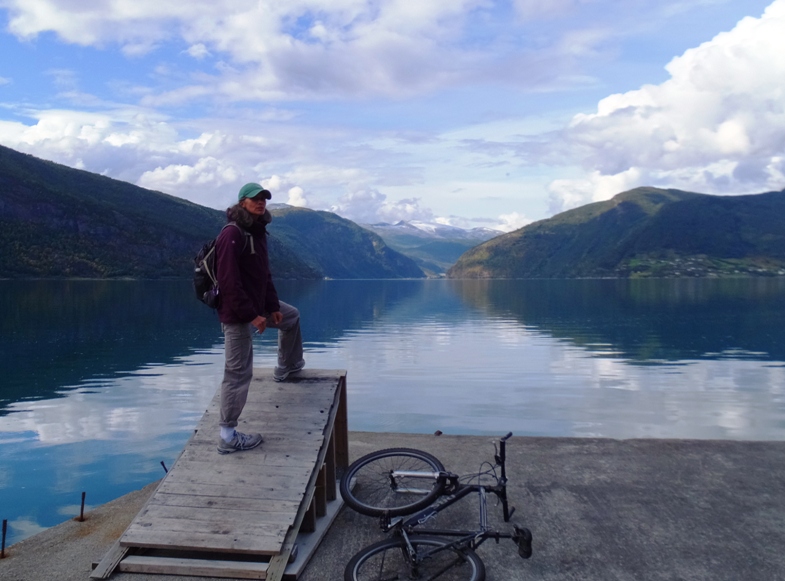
[(247, 508)]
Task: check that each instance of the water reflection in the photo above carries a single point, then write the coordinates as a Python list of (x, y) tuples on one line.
[(59, 334), (646, 320), (102, 380)]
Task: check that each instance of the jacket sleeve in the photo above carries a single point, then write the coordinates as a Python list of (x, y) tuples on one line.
[(272, 304), (229, 247)]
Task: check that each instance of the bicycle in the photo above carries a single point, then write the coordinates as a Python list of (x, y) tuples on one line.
[(397, 482)]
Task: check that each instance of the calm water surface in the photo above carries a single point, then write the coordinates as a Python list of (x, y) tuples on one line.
[(102, 381)]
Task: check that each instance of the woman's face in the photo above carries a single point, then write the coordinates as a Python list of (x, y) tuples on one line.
[(255, 206)]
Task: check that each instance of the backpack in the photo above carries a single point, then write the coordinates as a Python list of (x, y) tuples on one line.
[(205, 274)]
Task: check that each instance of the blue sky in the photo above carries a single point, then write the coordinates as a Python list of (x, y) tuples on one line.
[(469, 112)]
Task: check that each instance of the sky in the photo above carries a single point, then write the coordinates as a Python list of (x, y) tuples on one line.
[(475, 113)]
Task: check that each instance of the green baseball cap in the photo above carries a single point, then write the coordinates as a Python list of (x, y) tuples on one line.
[(251, 191)]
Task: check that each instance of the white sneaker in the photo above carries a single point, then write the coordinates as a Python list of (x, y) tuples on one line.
[(239, 443), (282, 373)]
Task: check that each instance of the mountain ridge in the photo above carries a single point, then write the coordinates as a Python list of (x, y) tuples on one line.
[(644, 232), (61, 222), (434, 247)]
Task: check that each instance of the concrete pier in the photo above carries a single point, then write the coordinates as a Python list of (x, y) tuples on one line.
[(599, 509)]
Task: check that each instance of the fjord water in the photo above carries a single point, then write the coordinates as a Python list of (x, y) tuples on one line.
[(104, 380)]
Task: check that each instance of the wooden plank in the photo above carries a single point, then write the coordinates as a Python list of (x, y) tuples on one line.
[(224, 503), (295, 394), (250, 503), (209, 472), (110, 561), (241, 544), (262, 458), (284, 420), (296, 402), (266, 487), (320, 493), (307, 543), (243, 526), (234, 492), (276, 442), (278, 562), (304, 376), (218, 517), (197, 567), (341, 430), (242, 477), (329, 462), (308, 523)]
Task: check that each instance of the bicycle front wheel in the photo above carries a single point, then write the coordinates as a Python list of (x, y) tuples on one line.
[(389, 559), (396, 481)]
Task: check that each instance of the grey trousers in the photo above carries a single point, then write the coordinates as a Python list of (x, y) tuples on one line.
[(238, 368)]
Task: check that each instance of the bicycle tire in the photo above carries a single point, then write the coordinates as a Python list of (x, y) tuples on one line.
[(374, 493), (388, 559)]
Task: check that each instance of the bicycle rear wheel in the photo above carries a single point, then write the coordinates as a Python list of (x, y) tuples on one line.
[(377, 490), (388, 559)]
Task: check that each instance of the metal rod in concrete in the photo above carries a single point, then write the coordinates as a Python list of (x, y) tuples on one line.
[(5, 529), (81, 512)]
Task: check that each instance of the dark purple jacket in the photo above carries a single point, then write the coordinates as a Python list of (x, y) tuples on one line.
[(243, 271)]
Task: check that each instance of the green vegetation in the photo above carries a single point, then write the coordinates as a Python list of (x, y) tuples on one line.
[(59, 222), (338, 248), (646, 232)]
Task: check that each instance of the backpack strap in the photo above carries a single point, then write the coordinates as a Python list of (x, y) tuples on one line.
[(248, 236)]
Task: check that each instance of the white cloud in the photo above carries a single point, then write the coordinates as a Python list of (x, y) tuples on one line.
[(198, 51), (297, 197), (319, 48), (512, 221), (25, 527), (300, 47), (393, 158), (564, 194), (207, 173), (544, 8), (714, 126), (368, 206)]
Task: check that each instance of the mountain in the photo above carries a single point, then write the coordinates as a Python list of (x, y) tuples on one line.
[(645, 232), (434, 247), (59, 222), (338, 248)]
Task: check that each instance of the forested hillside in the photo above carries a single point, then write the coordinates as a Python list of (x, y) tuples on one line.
[(339, 248), (640, 233), (59, 222)]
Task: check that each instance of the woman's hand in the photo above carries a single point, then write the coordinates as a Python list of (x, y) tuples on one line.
[(260, 323)]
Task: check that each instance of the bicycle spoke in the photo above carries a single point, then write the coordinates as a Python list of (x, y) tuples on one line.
[(434, 559), (394, 480)]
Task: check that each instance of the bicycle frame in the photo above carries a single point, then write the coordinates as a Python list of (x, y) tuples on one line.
[(455, 492), (419, 545)]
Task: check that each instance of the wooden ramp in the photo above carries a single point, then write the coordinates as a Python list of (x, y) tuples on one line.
[(239, 515)]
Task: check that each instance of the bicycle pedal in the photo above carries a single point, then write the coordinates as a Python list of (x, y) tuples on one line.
[(523, 538)]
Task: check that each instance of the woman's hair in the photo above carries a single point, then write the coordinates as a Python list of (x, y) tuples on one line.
[(244, 218), (240, 215)]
